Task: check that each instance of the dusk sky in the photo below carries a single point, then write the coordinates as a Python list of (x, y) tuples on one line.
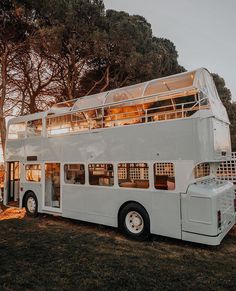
[(204, 31)]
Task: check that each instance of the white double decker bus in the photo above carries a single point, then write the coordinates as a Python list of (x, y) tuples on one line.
[(142, 158)]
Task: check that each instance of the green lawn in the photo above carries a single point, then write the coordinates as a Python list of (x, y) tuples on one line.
[(48, 253)]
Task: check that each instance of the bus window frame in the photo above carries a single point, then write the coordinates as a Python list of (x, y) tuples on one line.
[(36, 135), (150, 182), (24, 172), (74, 184), (153, 177), (101, 163), (15, 139)]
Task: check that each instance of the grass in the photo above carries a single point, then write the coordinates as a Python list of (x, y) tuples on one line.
[(48, 253)]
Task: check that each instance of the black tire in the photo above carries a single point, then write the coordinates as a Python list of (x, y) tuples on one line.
[(31, 211), (139, 211)]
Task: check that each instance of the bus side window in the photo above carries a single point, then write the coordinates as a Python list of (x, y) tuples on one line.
[(164, 176), (33, 173), (133, 175), (74, 174), (101, 174), (17, 130), (94, 118), (34, 127)]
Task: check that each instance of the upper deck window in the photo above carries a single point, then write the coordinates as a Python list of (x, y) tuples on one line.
[(34, 128), (75, 122), (179, 105), (17, 130), (124, 94), (170, 83), (67, 123)]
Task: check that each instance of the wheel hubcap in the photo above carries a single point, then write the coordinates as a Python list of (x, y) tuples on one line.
[(134, 222), (31, 205)]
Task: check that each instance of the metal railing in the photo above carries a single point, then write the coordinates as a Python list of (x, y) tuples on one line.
[(104, 118)]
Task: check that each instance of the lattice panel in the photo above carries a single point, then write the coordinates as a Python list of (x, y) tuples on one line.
[(233, 156), (122, 173), (145, 174), (227, 169), (135, 171), (164, 169), (139, 173), (202, 170)]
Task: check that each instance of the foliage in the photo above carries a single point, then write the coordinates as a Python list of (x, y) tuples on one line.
[(69, 30), (15, 27), (85, 49), (127, 54), (230, 105)]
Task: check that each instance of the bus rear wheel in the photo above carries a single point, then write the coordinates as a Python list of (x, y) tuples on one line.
[(134, 222), (31, 204)]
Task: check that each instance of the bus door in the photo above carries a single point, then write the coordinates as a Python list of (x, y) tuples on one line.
[(52, 186), (13, 183)]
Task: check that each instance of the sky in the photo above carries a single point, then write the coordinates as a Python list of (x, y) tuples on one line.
[(203, 31)]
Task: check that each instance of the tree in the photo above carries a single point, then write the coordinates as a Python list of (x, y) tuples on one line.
[(75, 23), (34, 81), (94, 51), (223, 91), (14, 29), (58, 50), (226, 98), (127, 53)]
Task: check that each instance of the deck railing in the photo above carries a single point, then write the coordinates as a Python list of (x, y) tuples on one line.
[(121, 116)]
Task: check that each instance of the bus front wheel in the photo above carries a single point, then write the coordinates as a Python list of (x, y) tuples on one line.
[(31, 204), (134, 221)]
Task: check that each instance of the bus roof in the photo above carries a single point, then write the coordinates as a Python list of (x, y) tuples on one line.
[(197, 80), (183, 81)]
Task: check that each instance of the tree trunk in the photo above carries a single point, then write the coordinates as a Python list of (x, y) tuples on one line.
[(2, 100)]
